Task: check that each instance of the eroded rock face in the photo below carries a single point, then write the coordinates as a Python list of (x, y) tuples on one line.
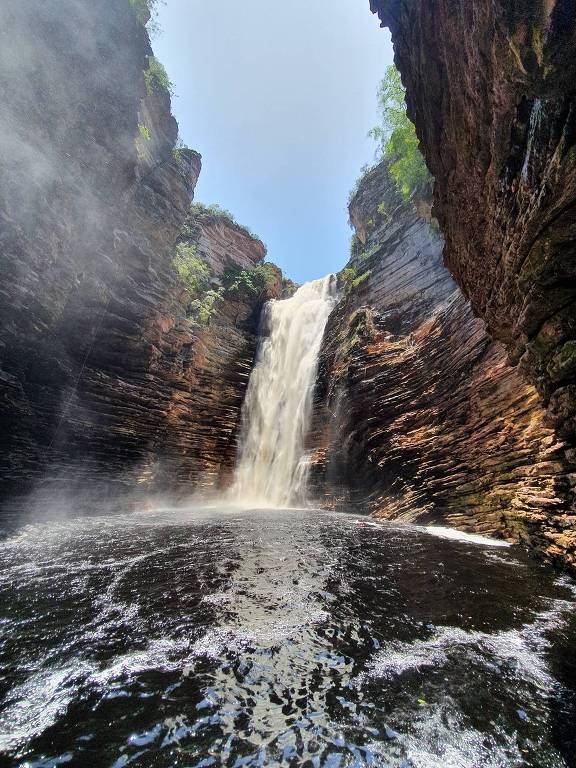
[(205, 409), (418, 414), (491, 87), (221, 242), (104, 383)]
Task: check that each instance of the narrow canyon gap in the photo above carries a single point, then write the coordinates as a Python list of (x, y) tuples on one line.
[(110, 391), (393, 584)]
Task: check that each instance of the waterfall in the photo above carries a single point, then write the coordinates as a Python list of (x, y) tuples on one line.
[(272, 464)]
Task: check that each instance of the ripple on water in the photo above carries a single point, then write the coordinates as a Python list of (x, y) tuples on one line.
[(279, 638)]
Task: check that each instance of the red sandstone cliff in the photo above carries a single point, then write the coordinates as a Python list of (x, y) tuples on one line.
[(491, 87), (104, 382), (418, 415), (205, 408)]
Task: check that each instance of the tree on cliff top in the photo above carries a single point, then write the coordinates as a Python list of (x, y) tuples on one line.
[(146, 11), (397, 138)]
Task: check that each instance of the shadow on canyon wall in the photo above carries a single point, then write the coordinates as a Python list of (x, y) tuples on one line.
[(420, 414)]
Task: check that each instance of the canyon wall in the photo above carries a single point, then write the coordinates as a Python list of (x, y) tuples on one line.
[(105, 383), (108, 384), (418, 415), (205, 409), (219, 242), (491, 88)]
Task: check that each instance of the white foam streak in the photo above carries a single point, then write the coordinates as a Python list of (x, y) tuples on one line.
[(452, 533)]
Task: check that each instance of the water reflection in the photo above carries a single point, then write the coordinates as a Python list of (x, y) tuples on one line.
[(279, 638)]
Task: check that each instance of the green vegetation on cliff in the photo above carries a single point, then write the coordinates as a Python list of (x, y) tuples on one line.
[(144, 132), (259, 280), (156, 78), (193, 271), (397, 138), (263, 280), (397, 141), (207, 290), (351, 278), (196, 276), (202, 309)]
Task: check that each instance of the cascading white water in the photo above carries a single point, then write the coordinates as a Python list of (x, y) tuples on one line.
[(272, 465)]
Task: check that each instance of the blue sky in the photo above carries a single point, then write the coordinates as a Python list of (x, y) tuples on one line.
[(278, 99)]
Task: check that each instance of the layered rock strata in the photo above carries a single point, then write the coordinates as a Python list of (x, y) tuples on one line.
[(220, 241), (418, 415), (205, 409), (491, 87), (105, 384)]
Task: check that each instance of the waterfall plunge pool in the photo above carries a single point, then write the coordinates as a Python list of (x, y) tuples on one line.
[(279, 637)]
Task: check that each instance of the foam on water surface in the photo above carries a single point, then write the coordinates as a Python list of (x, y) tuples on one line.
[(276, 638)]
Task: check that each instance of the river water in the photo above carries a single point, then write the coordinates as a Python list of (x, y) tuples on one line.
[(290, 637)]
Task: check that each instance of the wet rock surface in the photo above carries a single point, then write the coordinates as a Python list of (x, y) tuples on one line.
[(105, 384), (418, 414), (491, 89)]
